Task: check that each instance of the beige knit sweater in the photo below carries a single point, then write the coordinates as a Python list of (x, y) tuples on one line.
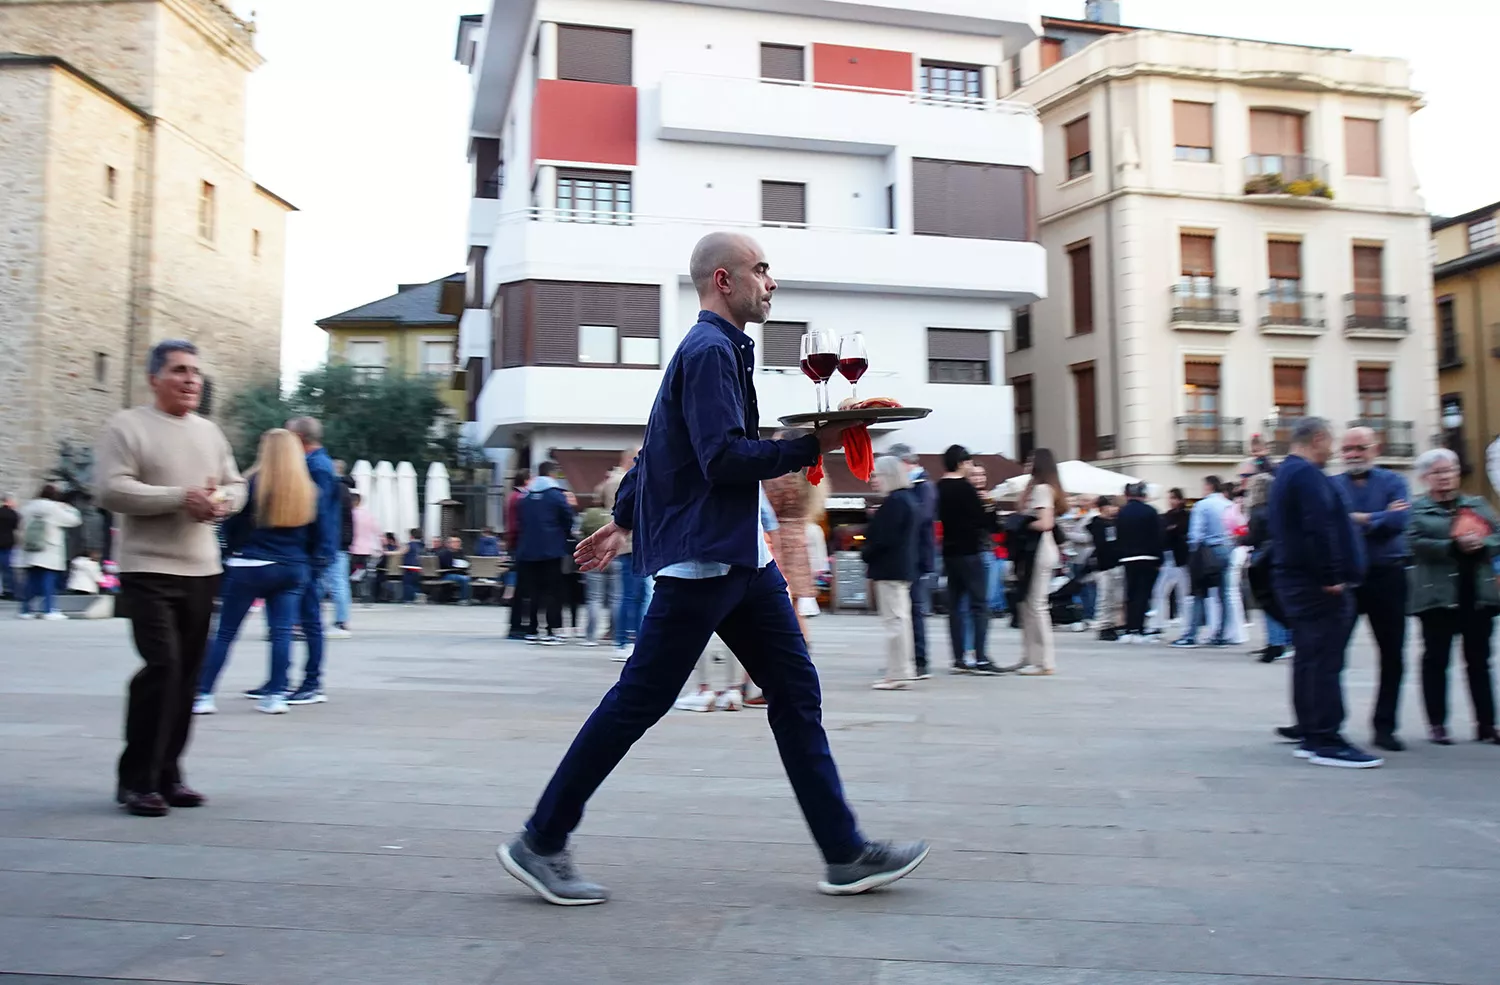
[(144, 464)]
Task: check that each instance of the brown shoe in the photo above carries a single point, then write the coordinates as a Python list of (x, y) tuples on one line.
[(143, 804), (182, 795)]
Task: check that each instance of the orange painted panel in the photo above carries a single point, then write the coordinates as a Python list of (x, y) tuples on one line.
[(586, 122), (870, 68)]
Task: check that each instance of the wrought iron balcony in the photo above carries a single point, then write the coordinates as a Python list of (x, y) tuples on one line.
[(1294, 176), (1398, 439), (1278, 433), (1284, 312), (1210, 436), (1218, 307), (1375, 315)]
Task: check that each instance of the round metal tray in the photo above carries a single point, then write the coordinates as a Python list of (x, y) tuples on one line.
[(870, 415)]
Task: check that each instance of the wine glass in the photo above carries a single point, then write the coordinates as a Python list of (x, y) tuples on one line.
[(820, 360), (853, 359)]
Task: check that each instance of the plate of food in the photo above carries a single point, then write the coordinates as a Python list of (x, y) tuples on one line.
[(870, 410)]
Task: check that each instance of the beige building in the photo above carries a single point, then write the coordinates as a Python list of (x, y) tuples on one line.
[(126, 214), (1235, 239)]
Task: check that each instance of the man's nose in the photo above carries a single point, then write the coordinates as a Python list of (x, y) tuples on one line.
[(770, 283)]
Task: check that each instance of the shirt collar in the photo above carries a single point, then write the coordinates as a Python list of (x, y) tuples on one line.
[(739, 338)]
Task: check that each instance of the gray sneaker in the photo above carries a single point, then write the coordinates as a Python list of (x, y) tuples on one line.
[(552, 877), (880, 864)]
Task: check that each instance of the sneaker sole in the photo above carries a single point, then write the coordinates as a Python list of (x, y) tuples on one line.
[(1302, 753), (320, 699), (871, 882), (534, 884), (1317, 760)]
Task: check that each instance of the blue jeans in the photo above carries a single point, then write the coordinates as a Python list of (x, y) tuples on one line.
[(991, 584), (283, 586), (7, 572), (752, 614), (1276, 633), (310, 615), (40, 583), (335, 584), (411, 581), (1318, 668), (596, 588), (921, 608), (465, 590), (1088, 592), (632, 596)]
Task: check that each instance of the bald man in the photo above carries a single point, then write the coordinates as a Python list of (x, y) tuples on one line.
[(691, 503), (1377, 500)]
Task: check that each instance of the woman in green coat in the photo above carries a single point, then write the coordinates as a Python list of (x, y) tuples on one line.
[(1454, 541)]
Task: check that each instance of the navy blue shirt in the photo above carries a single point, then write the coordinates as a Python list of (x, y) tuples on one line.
[(693, 493), (546, 520), (1315, 542), (1385, 534), (330, 522), (246, 538)]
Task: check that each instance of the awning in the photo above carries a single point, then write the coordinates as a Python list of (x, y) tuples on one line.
[(585, 469)]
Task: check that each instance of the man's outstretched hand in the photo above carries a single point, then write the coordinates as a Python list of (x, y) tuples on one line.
[(601, 547)]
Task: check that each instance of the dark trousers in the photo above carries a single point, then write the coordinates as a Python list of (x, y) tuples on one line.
[(1320, 636), (1140, 582), (921, 606), (1382, 600), (310, 615), (520, 602), (544, 582), (169, 618), (1439, 626), (968, 593), (752, 614)]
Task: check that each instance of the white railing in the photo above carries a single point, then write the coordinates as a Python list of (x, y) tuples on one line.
[(941, 100), (608, 217)]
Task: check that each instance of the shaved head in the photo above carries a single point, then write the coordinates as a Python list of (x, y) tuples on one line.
[(718, 251), (732, 277)]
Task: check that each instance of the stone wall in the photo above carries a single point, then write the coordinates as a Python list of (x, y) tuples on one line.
[(113, 41)]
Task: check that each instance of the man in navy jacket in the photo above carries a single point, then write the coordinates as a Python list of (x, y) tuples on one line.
[(692, 503), (330, 524), (1317, 566), (546, 518)]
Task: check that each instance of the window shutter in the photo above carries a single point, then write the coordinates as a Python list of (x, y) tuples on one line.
[(1077, 137), (593, 54), (783, 203), (1285, 259), (958, 343), (1368, 275), (555, 324), (1362, 147), (1197, 255), (1374, 379), (1290, 384), (1193, 124), (929, 198), (1080, 261), (781, 343), (1021, 387), (781, 61), (639, 308), (1275, 132), (1201, 372), (511, 306), (973, 201), (1088, 419), (474, 293), (1051, 52)]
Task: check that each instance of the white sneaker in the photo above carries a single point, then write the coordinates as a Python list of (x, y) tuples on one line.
[(272, 704), (55, 617), (25, 615), (623, 653), (730, 700), (337, 634), (588, 643), (1079, 627), (552, 641), (702, 701), (1032, 670), (203, 704)]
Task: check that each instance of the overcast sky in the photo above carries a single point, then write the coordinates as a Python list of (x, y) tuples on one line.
[(359, 118)]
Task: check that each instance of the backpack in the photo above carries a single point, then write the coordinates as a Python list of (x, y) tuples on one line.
[(35, 537)]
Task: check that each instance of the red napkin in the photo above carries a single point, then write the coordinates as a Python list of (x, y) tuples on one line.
[(858, 453)]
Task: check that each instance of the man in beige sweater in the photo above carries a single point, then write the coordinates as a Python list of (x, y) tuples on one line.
[(167, 475)]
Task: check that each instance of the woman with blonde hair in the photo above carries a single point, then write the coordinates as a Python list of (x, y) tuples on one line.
[(271, 544), (1041, 504)]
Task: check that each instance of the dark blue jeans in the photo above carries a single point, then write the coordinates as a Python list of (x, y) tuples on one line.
[(7, 573), (921, 607), (310, 615), (283, 587), (1320, 636), (632, 592), (41, 583), (752, 613)]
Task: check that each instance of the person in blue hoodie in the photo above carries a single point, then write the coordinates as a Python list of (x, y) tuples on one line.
[(271, 544), (546, 516)]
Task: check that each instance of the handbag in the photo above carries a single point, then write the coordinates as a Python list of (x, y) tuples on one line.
[(1468, 521), (1207, 562)]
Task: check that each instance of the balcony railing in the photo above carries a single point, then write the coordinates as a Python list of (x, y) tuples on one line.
[(1193, 305), (1398, 439), (1294, 312), (1210, 436), (1287, 174), (1377, 314)]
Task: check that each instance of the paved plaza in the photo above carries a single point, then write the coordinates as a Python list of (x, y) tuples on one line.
[(1128, 822)]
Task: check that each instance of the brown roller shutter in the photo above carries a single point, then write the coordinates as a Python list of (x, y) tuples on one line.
[(929, 197), (958, 343), (1275, 132), (515, 328), (1086, 406), (593, 54), (1051, 52), (783, 203), (972, 201), (1201, 372), (781, 343), (1374, 379), (1362, 147), (1290, 385), (1369, 286), (1193, 124), (1081, 265), (781, 61), (640, 311), (1076, 135), (1285, 258), (555, 321), (1197, 255)]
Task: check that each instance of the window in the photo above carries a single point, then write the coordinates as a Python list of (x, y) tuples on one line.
[(781, 344), (437, 358), (783, 203), (1289, 384), (255, 243), (1081, 267), (1025, 417), (1201, 405), (640, 351), (1448, 351), (1362, 147), (593, 196), (974, 201), (101, 367), (598, 344), (1275, 133), (782, 61), (1198, 265), (593, 54), (111, 184), (1085, 405), (474, 292), (1193, 126), (1374, 392), (1482, 234), (488, 173), (950, 83), (206, 402), (958, 356), (1285, 296), (206, 208), (1076, 141), (367, 358), (1023, 328), (1051, 52), (1369, 285), (890, 206)]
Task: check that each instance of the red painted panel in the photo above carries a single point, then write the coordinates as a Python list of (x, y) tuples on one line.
[(871, 68), (583, 121)]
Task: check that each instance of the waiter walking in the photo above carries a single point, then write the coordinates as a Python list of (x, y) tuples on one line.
[(691, 503)]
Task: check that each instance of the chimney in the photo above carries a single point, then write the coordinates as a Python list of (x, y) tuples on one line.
[(1102, 11)]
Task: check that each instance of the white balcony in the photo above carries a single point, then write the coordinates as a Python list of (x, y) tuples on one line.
[(565, 395), (484, 214), (1014, 21), (536, 244), (842, 119)]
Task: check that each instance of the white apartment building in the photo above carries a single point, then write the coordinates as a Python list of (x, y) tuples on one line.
[(862, 143), (1237, 240)]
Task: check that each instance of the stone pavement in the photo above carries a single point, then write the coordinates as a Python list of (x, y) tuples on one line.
[(1128, 822)]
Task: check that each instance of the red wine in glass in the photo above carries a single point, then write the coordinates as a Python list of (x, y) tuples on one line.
[(853, 359), (823, 365), (807, 371), (853, 367)]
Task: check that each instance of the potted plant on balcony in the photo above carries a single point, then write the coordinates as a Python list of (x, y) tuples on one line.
[(1265, 184), (1309, 188)]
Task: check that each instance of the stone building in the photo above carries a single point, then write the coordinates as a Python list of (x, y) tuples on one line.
[(126, 215)]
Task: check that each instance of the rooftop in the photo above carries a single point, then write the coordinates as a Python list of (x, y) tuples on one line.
[(412, 304), (1443, 222)]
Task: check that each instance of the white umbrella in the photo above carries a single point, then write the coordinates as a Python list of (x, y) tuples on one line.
[(364, 480), (407, 513), (438, 490), (1078, 479), (383, 495)]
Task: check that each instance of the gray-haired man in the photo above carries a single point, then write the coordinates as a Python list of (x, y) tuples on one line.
[(921, 588)]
